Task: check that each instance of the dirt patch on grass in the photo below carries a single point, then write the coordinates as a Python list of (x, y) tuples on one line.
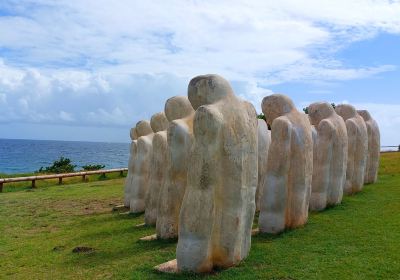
[(83, 249), (84, 207)]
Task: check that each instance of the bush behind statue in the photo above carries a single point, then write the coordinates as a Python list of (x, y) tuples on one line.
[(64, 165), (92, 167)]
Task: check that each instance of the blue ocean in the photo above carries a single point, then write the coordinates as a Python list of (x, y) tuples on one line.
[(22, 156)]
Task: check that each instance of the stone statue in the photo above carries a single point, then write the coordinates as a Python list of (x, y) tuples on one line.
[(129, 176), (374, 148), (330, 156), (264, 140), (180, 114), (219, 204), (357, 148), (159, 124), (287, 186), (140, 176)]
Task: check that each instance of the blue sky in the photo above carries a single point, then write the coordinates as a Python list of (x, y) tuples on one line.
[(89, 70)]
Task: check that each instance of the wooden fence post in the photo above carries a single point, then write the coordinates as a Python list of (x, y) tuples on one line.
[(33, 184), (83, 178), (59, 180), (1, 187), (121, 173)]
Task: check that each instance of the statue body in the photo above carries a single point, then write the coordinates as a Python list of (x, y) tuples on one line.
[(158, 158), (180, 114), (131, 168), (219, 204), (141, 174), (287, 185), (374, 148), (357, 148), (264, 140), (330, 156)]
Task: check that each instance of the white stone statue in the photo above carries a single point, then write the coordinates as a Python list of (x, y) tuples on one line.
[(158, 159), (330, 156), (264, 140), (357, 148), (129, 176), (374, 148), (219, 203), (180, 114), (140, 179), (285, 199)]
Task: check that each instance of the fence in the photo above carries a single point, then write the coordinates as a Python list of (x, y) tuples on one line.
[(33, 179)]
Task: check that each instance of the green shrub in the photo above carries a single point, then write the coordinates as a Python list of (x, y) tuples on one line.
[(261, 116), (90, 167), (63, 165)]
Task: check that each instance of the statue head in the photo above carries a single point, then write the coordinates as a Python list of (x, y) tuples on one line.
[(177, 107), (364, 114), (318, 111), (133, 133), (159, 122), (143, 128), (346, 111), (208, 89), (276, 105)]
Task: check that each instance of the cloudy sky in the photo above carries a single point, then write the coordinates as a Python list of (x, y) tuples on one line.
[(90, 69)]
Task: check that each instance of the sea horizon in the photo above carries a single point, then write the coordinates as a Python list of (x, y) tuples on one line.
[(87, 141)]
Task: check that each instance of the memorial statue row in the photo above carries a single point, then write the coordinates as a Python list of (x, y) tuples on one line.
[(200, 169)]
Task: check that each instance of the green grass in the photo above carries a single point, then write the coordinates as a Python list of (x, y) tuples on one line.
[(360, 239)]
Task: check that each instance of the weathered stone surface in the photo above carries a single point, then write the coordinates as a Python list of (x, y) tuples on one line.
[(357, 148), (159, 124), (149, 238), (219, 204), (180, 114), (287, 189), (264, 140), (374, 147), (168, 267), (141, 167), (133, 134), (131, 166), (330, 156)]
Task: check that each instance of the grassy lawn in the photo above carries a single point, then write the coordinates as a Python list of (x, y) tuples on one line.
[(360, 239)]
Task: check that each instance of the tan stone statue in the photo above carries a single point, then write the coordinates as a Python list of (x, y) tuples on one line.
[(180, 114), (287, 189), (129, 176), (219, 204), (357, 148), (374, 148), (264, 140), (330, 156), (159, 124), (140, 176)]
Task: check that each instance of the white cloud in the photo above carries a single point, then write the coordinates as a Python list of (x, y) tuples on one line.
[(253, 93), (95, 62), (84, 98), (65, 116), (238, 39), (312, 71)]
